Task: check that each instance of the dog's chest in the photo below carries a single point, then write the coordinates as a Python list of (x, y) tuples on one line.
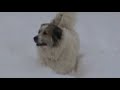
[(49, 55)]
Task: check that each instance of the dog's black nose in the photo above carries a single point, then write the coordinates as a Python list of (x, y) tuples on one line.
[(36, 39)]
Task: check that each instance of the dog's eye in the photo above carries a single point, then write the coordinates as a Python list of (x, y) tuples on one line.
[(45, 33)]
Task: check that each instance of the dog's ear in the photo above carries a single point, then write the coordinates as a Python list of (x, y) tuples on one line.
[(57, 32), (56, 35)]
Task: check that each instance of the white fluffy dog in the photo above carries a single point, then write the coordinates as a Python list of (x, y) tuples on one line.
[(58, 43)]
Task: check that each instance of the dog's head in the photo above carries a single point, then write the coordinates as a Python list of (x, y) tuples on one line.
[(48, 35)]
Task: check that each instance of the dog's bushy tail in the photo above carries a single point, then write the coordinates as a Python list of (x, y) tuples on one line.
[(65, 20)]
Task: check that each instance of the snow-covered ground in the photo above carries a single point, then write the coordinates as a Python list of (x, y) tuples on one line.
[(99, 38)]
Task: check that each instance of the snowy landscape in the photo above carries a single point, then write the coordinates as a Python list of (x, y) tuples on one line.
[(99, 41)]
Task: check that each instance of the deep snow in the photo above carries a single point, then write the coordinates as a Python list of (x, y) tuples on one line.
[(99, 38)]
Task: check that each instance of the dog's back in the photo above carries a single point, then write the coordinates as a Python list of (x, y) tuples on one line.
[(65, 20)]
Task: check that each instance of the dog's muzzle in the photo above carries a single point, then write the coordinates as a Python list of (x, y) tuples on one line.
[(37, 43)]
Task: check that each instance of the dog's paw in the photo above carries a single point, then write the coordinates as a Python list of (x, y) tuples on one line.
[(64, 72)]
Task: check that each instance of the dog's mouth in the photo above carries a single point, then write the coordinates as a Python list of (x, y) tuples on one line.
[(41, 44)]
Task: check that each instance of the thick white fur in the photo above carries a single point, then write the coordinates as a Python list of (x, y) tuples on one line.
[(65, 19), (62, 59)]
